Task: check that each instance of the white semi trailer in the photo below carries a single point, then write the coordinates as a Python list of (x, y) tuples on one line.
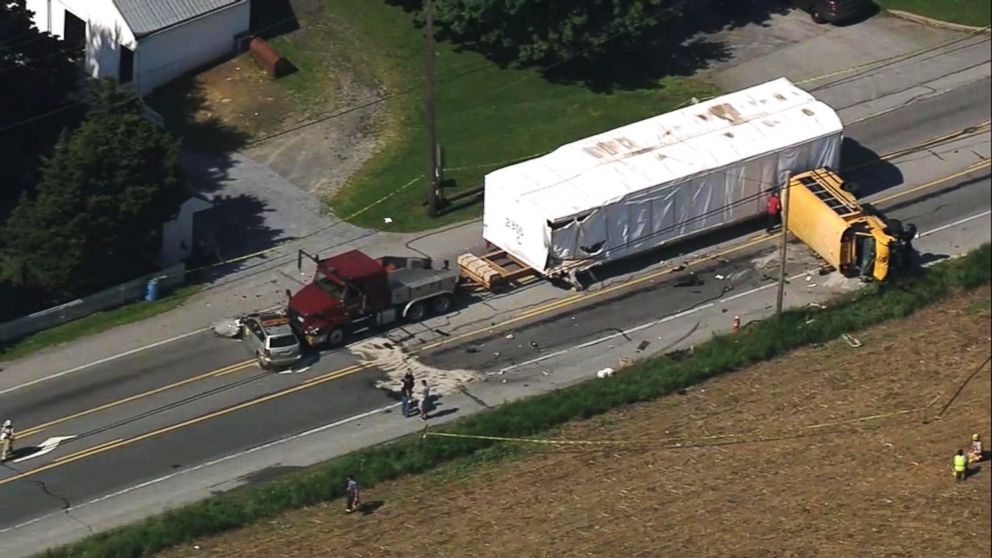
[(658, 181)]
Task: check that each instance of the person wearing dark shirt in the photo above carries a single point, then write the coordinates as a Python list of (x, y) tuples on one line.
[(406, 392)]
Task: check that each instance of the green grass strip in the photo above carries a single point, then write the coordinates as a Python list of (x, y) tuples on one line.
[(644, 381), (94, 323), (977, 13)]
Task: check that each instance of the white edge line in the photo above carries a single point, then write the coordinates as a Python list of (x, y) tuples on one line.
[(387, 407), (103, 361), (203, 466), (954, 224)]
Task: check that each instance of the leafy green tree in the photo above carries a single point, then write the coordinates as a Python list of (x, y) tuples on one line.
[(105, 192), (542, 31), (38, 76)]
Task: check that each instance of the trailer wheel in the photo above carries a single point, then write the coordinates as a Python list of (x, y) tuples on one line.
[(336, 337), (441, 304), (416, 312)]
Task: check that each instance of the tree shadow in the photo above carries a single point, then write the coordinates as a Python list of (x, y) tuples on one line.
[(271, 18), (183, 105), (233, 227), (870, 172), (675, 47)]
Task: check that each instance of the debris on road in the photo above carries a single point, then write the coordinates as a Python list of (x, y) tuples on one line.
[(396, 362), (688, 280), (605, 373), (508, 336), (230, 328)]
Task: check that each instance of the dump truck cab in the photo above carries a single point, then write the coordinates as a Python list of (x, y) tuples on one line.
[(824, 213), (352, 292)]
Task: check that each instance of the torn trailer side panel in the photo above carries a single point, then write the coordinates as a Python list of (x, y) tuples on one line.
[(660, 180)]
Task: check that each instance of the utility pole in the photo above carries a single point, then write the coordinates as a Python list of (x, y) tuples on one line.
[(785, 239), (431, 176)]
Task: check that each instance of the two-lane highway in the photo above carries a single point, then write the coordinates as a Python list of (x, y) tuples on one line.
[(199, 399)]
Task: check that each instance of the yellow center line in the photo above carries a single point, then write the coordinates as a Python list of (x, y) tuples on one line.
[(978, 166), (554, 305), (87, 451), (42, 427), (754, 240), (333, 375)]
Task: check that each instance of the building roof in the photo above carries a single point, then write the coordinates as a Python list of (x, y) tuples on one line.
[(666, 149), (148, 16)]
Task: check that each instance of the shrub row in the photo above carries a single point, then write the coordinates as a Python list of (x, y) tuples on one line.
[(645, 380)]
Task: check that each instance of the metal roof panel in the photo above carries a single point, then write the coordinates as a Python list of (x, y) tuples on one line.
[(147, 16)]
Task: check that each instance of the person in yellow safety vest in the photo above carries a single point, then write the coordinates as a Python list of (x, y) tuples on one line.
[(6, 440), (977, 451), (960, 466)]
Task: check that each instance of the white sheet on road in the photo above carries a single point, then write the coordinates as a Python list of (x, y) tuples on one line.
[(659, 180)]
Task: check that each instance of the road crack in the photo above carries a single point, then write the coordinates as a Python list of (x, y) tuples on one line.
[(479, 401), (66, 504)]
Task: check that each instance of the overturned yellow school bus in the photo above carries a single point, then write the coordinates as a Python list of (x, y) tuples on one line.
[(823, 212)]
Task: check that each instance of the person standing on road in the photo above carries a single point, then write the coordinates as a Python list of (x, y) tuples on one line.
[(774, 211), (406, 392), (7, 440), (353, 495), (425, 399), (960, 466)]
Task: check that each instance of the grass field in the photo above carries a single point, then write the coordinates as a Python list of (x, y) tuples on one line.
[(977, 13), (487, 117)]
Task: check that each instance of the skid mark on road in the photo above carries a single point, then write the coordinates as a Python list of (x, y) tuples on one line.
[(389, 357)]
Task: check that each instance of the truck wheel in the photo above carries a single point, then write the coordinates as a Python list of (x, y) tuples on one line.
[(336, 337), (817, 17), (416, 312), (441, 304)]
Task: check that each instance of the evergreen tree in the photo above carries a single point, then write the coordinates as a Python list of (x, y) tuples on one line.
[(542, 31), (105, 192), (38, 76)]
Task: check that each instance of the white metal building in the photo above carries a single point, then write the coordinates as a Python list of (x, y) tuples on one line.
[(145, 43), (659, 180)]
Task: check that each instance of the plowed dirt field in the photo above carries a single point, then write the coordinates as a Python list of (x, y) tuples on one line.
[(871, 477)]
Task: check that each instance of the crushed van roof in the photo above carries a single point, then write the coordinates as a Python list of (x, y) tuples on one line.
[(669, 148)]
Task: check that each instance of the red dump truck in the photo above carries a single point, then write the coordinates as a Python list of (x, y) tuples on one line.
[(352, 292)]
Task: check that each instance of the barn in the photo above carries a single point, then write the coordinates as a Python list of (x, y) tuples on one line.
[(145, 43)]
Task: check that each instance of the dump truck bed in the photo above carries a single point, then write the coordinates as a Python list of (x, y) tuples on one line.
[(411, 284)]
